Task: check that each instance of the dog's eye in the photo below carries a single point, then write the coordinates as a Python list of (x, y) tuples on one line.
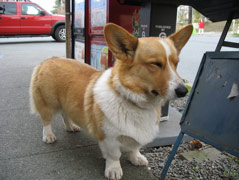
[(157, 64)]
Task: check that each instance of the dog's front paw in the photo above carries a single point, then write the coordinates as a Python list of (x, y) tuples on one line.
[(138, 159), (48, 135), (49, 138), (113, 170)]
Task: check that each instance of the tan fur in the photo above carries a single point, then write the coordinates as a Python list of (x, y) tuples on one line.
[(135, 55), (142, 79), (32, 90), (60, 84), (94, 120), (64, 84)]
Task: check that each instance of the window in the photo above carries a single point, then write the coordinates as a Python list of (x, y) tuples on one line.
[(8, 8), (30, 9)]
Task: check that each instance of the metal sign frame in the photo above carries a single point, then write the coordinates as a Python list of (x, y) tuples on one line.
[(196, 132)]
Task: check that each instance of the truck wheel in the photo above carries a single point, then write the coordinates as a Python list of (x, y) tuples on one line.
[(60, 34)]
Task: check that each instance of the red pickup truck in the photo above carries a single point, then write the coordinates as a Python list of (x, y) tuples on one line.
[(27, 19)]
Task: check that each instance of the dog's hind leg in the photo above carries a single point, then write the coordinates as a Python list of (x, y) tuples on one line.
[(137, 158), (68, 123), (48, 136), (46, 112), (38, 104)]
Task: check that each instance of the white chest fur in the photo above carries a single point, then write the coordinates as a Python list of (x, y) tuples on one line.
[(122, 117)]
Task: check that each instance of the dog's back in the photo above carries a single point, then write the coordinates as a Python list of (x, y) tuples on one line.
[(56, 82)]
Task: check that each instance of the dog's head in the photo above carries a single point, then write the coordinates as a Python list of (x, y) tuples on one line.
[(147, 66)]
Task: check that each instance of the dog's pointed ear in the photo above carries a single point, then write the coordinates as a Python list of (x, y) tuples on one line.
[(121, 43), (181, 37)]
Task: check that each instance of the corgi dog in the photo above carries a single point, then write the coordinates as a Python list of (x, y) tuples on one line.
[(118, 106)]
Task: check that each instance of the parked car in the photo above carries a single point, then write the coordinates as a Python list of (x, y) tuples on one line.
[(27, 19)]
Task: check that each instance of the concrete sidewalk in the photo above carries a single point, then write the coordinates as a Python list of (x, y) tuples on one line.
[(23, 155)]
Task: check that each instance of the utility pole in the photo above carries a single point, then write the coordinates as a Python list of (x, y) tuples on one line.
[(68, 28), (190, 14)]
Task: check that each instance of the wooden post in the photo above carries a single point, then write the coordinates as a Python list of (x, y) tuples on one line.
[(68, 28)]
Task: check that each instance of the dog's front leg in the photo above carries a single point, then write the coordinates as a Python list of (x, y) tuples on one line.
[(111, 152)]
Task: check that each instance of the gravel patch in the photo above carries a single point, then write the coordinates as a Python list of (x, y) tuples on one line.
[(179, 104), (224, 168)]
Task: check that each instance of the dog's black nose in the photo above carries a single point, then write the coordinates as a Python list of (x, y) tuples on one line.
[(181, 90)]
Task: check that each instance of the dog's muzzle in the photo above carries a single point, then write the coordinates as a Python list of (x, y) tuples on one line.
[(154, 92), (181, 91)]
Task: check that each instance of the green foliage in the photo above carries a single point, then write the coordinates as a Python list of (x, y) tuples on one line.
[(229, 173), (232, 172), (195, 168), (58, 7), (58, 2), (54, 11), (197, 16), (189, 89)]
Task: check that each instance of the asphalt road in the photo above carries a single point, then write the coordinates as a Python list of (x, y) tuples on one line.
[(43, 48), (38, 48), (191, 55)]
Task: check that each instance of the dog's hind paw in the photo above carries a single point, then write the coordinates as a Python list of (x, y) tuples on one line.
[(73, 128), (138, 159)]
